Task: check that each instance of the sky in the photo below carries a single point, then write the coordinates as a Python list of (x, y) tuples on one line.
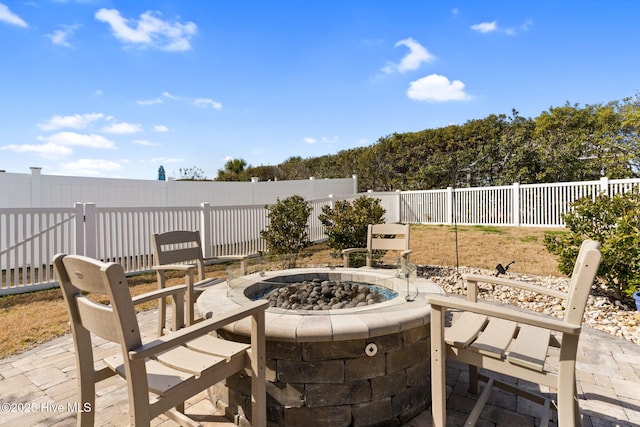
[(116, 89)]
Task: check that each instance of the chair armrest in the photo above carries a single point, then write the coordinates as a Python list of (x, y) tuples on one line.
[(354, 250), (232, 257), (492, 280), (159, 293), (180, 267), (406, 253), (181, 336), (503, 312)]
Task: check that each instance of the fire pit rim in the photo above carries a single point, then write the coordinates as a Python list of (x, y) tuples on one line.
[(391, 316)]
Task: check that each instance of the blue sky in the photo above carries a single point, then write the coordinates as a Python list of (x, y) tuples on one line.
[(118, 88)]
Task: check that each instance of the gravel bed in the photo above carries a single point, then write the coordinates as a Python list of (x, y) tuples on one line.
[(603, 312)]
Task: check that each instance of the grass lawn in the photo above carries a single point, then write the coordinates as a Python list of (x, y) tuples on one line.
[(29, 319)]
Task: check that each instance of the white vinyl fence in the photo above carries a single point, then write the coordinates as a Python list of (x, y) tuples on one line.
[(530, 205), (30, 237)]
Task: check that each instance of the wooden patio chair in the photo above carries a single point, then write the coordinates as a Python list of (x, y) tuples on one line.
[(383, 237), (163, 373), (181, 250), (514, 342)]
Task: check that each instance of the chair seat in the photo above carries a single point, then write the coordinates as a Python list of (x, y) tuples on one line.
[(521, 345), (161, 378)]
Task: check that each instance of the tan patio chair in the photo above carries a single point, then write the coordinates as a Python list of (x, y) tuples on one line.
[(181, 250), (383, 237), (514, 342), (163, 373)]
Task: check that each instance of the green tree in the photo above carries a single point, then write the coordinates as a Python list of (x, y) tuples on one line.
[(346, 222), (615, 223), (288, 232), (234, 170)]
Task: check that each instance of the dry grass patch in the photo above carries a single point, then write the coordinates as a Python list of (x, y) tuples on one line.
[(32, 318), (484, 247)]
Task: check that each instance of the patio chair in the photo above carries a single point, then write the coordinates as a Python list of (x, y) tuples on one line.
[(181, 250), (383, 237), (513, 342), (163, 373)]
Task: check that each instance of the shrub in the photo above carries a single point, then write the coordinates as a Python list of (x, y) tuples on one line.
[(615, 223), (287, 232), (346, 223)]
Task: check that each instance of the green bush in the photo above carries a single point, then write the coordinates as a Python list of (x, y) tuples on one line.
[(346, 223), (287, 232), (615, 223)]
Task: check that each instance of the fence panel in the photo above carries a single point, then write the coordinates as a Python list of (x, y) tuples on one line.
[(29, 238), (542, 205), (123, 235), (486, 206), (424, 207)]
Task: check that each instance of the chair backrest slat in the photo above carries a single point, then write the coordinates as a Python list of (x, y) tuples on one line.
[(388, 237), (176, 247), (582, 278)]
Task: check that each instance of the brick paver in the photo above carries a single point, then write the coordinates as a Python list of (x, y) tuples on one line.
[(40, 387)]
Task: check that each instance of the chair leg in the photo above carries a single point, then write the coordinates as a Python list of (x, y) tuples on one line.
[(473, 379), (568, 411), (438, 374)]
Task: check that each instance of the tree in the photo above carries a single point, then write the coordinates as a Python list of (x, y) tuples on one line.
[(346, 223), (288, 232), (234, 170), (192, 174), (615, 223)]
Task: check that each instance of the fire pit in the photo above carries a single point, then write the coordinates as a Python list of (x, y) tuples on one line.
[(352, 366)]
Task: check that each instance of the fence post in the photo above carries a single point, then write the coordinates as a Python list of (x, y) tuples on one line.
[(355, 183), (516, 204), (36, 187), (450, 206), (79, 223), (90, 230), (205, 229), (604, 185)]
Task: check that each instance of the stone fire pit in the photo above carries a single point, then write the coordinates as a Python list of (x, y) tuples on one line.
[(359, 366)]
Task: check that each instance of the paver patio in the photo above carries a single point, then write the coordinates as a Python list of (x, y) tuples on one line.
[(39, 386)]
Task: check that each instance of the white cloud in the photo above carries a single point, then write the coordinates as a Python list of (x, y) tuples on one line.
[(160, 128), (490, 27), (324, 140), (149, 101), (166, 160), (145, 142), (207, 103), (78, 139), (76, 121), (48, 150), (437, 88), (123, 128), (485, 27), (59, 37), (11, 18), (168, 95), (412, 61), (333, 140), (84, 167), (149, 30)]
